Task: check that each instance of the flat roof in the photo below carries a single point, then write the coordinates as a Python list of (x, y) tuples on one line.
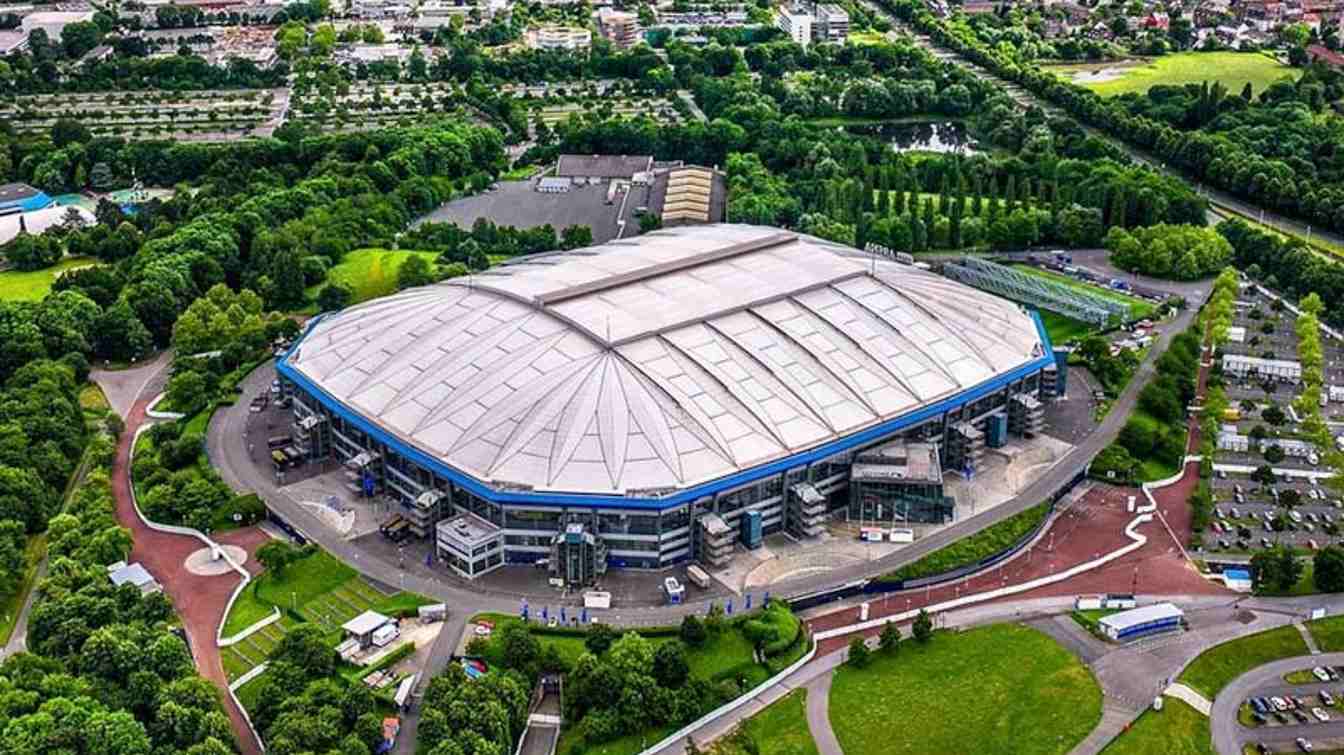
[(1249, 360), (602, 166), (1136, 616), (365, 622), (467, 527), (133, 574), (649, 365)]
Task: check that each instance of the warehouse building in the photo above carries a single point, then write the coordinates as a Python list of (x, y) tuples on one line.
[(1243, 366), (666, 397)]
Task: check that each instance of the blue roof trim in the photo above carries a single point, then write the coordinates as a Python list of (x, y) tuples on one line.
[(38, 201), (737, 479)]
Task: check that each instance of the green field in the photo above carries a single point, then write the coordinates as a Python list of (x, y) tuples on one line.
[(998, 689), (1177, 729), (1063, 329), (370, 273), (780, 729), (1233, 69), (1329, 633), (1138, 308), (33, 285), (968, 550), (319, 589), (1217, 666)]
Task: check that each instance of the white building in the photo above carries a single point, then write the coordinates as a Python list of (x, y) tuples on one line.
[(470, 545), (122, 573), (552, 37), (796, 24), (831, 24), (1242, 365)]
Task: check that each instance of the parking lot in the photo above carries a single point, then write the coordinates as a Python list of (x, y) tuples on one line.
[(1297, 715), (1255, 519), (519, 204), (1295, 510)]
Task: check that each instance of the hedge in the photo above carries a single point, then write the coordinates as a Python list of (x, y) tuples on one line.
[(978, 547)]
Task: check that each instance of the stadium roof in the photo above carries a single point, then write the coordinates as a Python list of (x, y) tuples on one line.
[(661, 362)]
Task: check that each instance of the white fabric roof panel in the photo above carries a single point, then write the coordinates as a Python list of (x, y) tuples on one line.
[(663, 361)]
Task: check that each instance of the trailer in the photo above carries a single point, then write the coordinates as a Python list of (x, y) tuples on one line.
[(699, 576), (902, 535), (1088, 602)]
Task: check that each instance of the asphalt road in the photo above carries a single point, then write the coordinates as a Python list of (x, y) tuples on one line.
[(1229, 735), (1217, 198)]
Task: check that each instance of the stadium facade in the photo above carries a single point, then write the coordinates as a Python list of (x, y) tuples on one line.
[(665, 397)]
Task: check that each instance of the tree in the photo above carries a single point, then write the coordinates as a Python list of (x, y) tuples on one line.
[(922, 627), (1275, 570), (521, 648), (25, 497), (187, 391), (890, 639), (276, 555), (305, 648), (669, 665), (414, 271), (859, 654), (693, 631), (12, 559), (1264, 475), (1273, 453), (576, 236), (69, 131), (1328, 569), (600, 638), (333, 297)]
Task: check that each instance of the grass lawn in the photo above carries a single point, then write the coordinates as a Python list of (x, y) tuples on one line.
[(34, 551), (1233, 69), (1329, 633), (1005, 688), (780, 729), (866, 38), (631, 744), (968, 550), (1063, 329), (1152, 470), (370, 273), (247, 694), (91, 397), (1177, 729), (1217, 666), (33, 285)]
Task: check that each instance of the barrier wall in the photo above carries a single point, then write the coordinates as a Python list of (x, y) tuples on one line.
[(189, 532)]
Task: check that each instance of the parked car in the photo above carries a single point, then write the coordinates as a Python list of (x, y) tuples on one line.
[(1321, 674), (1320, 715), (1301, 716), (1327, 699), (1303, 744), (1279, 703)]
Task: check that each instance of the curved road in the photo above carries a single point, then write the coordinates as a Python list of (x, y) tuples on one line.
[(1229, 735)]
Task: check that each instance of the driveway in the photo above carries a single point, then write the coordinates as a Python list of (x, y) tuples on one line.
[(199, 600)]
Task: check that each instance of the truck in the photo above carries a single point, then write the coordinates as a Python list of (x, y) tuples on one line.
[(1088, 602), (902, 535), (697, 575), (673, 591), (385, 634)]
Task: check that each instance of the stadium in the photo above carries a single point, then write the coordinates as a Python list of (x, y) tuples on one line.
[(662, 398)]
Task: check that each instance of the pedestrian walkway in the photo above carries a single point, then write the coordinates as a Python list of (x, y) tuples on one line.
[(1306, 637), (1115, 718), (819, 715), (1196, 700)]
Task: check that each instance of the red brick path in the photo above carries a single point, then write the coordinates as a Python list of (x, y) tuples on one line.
[(199, 601)]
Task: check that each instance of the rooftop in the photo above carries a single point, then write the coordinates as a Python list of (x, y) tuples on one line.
[(16, 192), (659, 362), (468, 528), (602, 166), (365, 622), (900, 462), (1142, 615)]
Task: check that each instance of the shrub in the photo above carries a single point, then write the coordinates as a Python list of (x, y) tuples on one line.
[(859, 654)]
